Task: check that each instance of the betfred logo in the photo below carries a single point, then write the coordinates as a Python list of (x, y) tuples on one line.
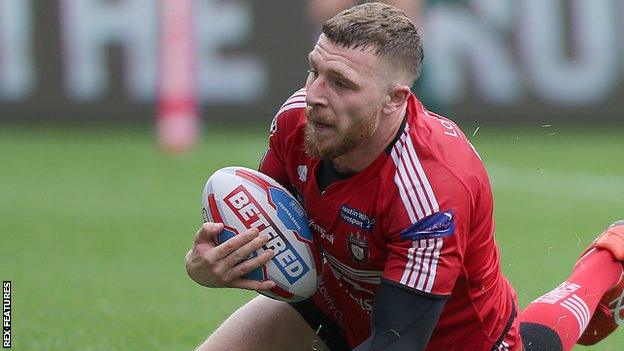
[(252, 215)]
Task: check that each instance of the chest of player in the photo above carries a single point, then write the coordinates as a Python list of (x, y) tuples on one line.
[(344, 221)]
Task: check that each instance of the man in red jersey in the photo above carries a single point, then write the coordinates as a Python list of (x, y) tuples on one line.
[(401, 208)]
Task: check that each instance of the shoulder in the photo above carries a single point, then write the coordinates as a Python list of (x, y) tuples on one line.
[(294, 101), (437, 169), (290, 114), (445, 150)]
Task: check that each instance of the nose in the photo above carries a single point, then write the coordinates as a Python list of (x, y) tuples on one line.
[(315, 93)]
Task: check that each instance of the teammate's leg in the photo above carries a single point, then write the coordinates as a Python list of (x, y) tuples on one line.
[(556, 321), (264, 324)]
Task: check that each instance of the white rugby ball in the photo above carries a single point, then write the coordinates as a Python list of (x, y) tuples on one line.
[(242, 198)]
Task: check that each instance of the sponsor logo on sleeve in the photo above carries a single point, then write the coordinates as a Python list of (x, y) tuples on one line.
[(437, 225)]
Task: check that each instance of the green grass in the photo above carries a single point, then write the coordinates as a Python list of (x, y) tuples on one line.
[(94, 225)]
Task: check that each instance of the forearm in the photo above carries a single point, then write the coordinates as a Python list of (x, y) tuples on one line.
[(402, 320)]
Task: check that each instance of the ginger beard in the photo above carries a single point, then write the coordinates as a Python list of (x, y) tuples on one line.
[(333, 141)]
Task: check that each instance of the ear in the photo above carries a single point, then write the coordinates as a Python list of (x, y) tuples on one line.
[(396, 98)]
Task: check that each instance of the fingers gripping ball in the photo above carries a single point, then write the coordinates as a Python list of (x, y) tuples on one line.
[(241, 199)]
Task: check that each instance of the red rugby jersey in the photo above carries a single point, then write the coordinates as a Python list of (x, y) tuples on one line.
[(420, 216)]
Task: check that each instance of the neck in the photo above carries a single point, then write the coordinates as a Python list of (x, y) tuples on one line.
[(362, 156)]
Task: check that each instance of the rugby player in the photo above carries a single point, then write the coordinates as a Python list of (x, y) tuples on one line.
[(402, 211)]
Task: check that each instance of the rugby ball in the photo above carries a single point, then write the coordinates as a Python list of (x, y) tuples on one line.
[(242, 198)]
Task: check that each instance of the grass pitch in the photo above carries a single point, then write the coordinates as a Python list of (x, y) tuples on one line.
[(94, 225)]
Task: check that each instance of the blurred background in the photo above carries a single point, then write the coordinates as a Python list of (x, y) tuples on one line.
[(499, 61), (113, 113)]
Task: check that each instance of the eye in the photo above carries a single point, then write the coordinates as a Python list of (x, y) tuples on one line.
[(340, 84), (312, 72)]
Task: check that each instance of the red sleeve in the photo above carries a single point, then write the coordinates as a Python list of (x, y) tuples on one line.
[(273, 162), (427, 255)]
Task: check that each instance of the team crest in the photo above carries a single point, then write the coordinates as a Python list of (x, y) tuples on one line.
[(357, 245)]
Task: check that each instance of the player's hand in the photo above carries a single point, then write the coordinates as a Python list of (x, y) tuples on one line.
[(220, 266)]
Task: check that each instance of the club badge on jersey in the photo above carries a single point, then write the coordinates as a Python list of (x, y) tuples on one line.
[(357, 245)]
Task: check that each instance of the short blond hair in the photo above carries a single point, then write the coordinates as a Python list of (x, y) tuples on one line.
[(381, 27)]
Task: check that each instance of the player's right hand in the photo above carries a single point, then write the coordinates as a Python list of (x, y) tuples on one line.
[(220, 266)]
